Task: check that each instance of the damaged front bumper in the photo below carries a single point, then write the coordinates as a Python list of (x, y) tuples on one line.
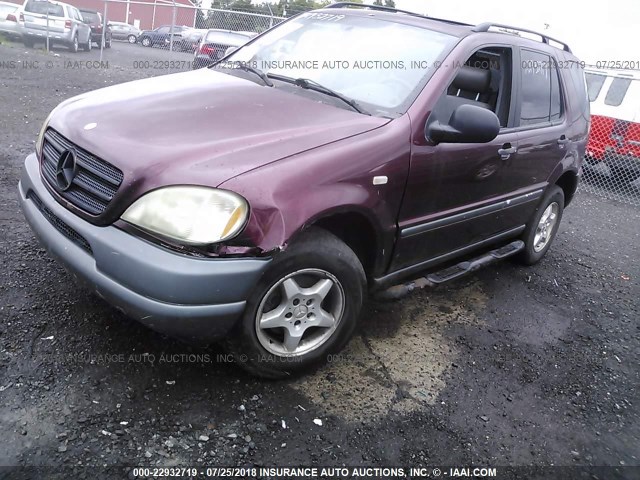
[(196, 299)]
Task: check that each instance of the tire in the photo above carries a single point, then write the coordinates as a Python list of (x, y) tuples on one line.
[(146, 42), (88, 46), (74, 45), (132, 39), (107, 42), (317, 259), (538, 240)]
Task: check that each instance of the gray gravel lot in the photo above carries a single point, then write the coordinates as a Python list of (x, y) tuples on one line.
[(509, 366)]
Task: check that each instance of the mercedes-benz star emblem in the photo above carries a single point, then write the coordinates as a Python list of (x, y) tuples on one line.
[(66, 169)]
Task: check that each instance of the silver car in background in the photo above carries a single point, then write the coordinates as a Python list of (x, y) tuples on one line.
[(60, 22), (9, 16), (124, 31), (215, 43)]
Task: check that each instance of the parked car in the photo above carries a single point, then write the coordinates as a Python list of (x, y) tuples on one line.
[(614, 141), (283, 191), (124, 31), (94, 19), (60, 22), (215, 43), (190, 39), (161, 36), (9, 15)]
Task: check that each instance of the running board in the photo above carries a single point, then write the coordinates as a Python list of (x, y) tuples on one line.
[(451, 273)]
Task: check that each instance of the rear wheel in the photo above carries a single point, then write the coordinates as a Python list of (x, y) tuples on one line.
[(543, 227), (305, 307)]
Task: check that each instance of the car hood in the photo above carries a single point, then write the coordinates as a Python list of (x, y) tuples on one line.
[(201, 127)]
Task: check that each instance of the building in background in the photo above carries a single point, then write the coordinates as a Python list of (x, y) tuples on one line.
[(144, 14)]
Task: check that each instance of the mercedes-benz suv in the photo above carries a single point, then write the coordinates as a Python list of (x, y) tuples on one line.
[(348, 150)]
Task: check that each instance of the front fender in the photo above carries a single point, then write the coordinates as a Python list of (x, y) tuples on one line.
[(290, 194)]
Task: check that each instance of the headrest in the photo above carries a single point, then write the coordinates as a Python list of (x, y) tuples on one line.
[(472, 79)]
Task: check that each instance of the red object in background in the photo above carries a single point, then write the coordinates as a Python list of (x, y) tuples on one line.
[(601, 136), (611, 135)]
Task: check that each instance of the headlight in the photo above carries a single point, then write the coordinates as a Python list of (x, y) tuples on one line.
[(192, 215)]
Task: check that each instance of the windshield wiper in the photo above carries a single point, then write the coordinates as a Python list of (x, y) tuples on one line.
[(250, 69), (309, 84)]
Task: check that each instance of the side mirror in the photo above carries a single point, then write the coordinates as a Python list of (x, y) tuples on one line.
[(468, 124)]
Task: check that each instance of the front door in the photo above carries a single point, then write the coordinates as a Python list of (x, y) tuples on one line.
[(460, 195)]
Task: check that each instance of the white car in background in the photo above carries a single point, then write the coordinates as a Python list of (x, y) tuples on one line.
[(9, 16), (60, 22)]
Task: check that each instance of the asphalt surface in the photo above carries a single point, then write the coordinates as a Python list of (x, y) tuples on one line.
[(510, 366)]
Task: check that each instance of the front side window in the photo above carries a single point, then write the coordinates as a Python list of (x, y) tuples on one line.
[(380, 64), (541, 93)]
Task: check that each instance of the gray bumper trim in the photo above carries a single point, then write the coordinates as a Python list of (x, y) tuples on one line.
[(191, 298)]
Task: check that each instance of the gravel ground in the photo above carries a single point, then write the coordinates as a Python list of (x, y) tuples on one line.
[(509, 366)]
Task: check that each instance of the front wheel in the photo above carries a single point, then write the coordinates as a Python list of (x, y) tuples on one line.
[(305, 307), (132, 39), (87, 46), (146, 42), (543, 227)]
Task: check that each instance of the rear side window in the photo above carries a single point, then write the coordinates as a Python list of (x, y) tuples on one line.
[(617, 91), (541, 94), (40, 7), (594, 85)]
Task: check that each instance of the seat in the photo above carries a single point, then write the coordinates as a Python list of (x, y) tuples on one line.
[(469, 87)]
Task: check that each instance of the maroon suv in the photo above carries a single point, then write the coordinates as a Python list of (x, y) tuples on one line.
[(346, 150)]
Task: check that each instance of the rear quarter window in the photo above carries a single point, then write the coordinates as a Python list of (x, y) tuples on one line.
[(40, 7), (617, 91)]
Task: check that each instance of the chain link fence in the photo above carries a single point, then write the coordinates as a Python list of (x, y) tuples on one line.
[(179, 26), (612, 164)]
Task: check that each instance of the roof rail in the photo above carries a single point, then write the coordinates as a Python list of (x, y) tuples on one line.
[(484, 27), (392, 10)]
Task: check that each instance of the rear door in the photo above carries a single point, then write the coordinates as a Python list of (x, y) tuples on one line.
[(542, 126)]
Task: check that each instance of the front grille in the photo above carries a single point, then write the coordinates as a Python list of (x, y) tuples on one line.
[(95, 181), (62, 227)]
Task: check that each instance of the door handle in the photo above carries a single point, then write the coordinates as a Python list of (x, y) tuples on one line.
[(506, 151), (563, 140)]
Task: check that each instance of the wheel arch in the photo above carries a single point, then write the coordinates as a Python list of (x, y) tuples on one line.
[(568, 182)]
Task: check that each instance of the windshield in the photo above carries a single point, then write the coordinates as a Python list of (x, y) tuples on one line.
[(379, 64)]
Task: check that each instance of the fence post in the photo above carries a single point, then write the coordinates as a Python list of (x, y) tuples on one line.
[(173, 26), (47, 27)]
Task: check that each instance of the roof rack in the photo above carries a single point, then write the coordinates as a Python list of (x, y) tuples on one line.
[(392, 10), (485, 27)]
